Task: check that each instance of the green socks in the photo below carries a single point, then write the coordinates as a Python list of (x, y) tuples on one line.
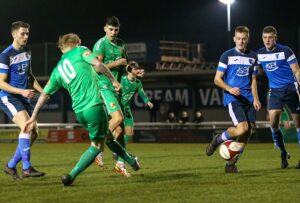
[(127, 138), (85, 160), (119, 150)]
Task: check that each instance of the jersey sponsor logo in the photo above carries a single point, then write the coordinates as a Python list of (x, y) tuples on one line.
[(87, 53), (271, 66), (251, 61), (113, 105), (271, 57), (240, 60), (20, 58), (22, 68), (242, 71)]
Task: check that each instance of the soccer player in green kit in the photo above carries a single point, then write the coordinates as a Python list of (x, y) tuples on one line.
[(111, 51), (75, 73), (130, 85)]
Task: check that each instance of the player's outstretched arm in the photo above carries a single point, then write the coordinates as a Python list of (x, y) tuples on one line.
[(30, 124), (36, 84), (150, 105)]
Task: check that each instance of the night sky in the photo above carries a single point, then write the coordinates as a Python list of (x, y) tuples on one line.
[(196, 21)]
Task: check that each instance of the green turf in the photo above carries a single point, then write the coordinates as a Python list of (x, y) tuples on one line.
[(170, 173)]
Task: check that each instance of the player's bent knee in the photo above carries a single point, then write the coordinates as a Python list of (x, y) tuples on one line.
[(242, 128), (97, 144)]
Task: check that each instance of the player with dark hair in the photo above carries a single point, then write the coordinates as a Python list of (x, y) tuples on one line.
[(236, 75), (131, 85), (111, 51), (282, 69), (17, 84), (75, 73)]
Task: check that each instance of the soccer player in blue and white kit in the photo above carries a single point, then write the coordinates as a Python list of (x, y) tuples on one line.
[(282, 69), (15, 92), (236, 75)]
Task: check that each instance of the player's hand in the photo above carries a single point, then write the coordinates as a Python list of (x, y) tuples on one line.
[(140, 73), (28, 93), (235, 91), (150, 105), (117, 86), (257, 105), (29, 125), (121, 61)]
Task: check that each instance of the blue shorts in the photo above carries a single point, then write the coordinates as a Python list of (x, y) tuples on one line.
[(288, 95), (240, 112), (12, 105)]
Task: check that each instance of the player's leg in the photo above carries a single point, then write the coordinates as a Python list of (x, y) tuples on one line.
[(114, 111), (115, 147), (113, 108), (16, 111), (243, 139), (34, 134), (128, 125), (277, 136), (296, 119), (24, 146), (294, 106), (239, 119), (128, 130), (276, 103), (95, 121)]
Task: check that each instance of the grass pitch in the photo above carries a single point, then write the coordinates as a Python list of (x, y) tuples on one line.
[(169, 173)]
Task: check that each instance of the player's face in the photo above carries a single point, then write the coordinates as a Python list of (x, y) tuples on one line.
[(111, 32), (241, 40), (21, 36), (269, 40)]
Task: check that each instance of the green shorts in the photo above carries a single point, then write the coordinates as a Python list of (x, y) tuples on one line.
[(128, 118), (109, 95), (110, 101), (94, 119)]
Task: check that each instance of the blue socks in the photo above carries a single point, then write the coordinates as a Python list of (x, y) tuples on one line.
[(15, 159), (278, 139), (223, 137), (22, 152), (24, 147), (298, 133)]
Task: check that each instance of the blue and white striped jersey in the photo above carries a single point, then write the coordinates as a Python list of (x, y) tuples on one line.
[(238, 70), (276, 64), (17, 65)]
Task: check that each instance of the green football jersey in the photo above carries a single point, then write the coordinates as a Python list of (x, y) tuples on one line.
[(129, 88), (74, 73), (111, 52)]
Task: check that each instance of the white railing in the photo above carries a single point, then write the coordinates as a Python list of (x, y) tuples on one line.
[(151, 125)]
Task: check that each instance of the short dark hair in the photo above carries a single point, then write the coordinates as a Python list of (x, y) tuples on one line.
[(18, 24), (270, 29), (131, 65), (113, 21)]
